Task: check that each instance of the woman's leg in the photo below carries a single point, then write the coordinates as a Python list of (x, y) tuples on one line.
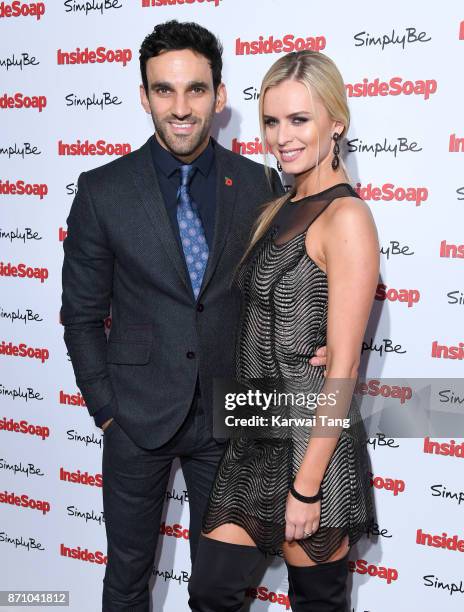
[(225, 559), (319, 587)]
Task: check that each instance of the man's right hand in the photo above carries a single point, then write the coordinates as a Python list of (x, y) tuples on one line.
[(106, 423)]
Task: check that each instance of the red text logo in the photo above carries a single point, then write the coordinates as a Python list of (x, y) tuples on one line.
[(408, 296), (72, 400), (451, 250), (25, 428), (101, 147), (253, 147), (456, 145), (448, 449), (22, 9), (389, 192), (441, 351), (262, 593), (389, 484), (99, 56), (24, 501), (20, 187), (19, 100), (79, 477), (22, 350), (394, 87), (374, 388), (23, 271), (361, 566), (286, 44), (83, 555), (440, 541), (174, 531)]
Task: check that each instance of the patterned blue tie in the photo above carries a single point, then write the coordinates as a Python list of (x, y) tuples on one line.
[(191, 230)]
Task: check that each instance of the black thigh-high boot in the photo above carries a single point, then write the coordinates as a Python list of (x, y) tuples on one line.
[(320, 587), (220, 575)]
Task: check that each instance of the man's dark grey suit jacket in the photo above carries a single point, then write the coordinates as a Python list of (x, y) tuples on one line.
[(121, 250)]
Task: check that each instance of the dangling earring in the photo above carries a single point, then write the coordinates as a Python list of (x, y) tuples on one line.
[(279, 167), (336, 151)]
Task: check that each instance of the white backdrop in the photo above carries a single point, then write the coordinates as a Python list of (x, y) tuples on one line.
[(406, 134)]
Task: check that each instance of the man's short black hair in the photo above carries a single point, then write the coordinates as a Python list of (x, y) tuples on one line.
[(176, 36)]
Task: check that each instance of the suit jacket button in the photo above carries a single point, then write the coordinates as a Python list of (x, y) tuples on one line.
[(190, 355), (200, 307)]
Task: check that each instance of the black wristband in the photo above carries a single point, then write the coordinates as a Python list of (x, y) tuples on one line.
[(306, 499)]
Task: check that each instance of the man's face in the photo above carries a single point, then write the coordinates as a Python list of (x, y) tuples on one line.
[(182, 101)]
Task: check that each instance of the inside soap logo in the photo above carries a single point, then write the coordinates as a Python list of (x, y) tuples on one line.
[(22, 9), (151, 3), (286, 44), (89, 56), (395, 86)]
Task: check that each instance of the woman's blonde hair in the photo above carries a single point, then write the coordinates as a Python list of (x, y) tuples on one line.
[(321, 76)]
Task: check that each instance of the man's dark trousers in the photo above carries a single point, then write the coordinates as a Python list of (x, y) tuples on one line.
[(135, 483), (120, 250)]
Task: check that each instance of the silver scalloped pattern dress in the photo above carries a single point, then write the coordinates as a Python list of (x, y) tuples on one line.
[(283, 322)]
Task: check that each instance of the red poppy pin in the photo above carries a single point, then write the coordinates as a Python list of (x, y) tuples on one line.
[(228, 181)]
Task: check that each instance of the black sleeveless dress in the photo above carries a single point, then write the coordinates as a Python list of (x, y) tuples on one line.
[(283, 322)]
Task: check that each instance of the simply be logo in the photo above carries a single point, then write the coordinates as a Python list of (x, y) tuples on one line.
[(23, 60), (408, 37), (95, 6), (22, 9)]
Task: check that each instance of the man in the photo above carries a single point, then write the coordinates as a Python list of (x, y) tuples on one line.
[(158, 234)]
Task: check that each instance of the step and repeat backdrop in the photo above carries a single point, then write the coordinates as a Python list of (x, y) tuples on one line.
[(69, 101)]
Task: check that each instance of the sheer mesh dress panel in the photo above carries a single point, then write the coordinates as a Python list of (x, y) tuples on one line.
[(283, 322)]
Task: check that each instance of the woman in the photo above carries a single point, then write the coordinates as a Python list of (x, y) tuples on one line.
[(307, 279)]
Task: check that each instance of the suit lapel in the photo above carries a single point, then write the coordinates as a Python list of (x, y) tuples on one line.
[(147, 185), (149, 193), (226, 193)]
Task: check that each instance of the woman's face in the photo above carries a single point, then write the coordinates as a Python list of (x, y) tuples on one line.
[(292, 130)]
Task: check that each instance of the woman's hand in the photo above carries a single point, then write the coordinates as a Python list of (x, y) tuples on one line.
[(300, 518)]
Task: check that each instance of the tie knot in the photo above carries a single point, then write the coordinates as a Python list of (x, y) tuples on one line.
[(186, 173)]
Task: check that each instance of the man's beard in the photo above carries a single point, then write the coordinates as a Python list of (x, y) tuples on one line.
[(181, 145)]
